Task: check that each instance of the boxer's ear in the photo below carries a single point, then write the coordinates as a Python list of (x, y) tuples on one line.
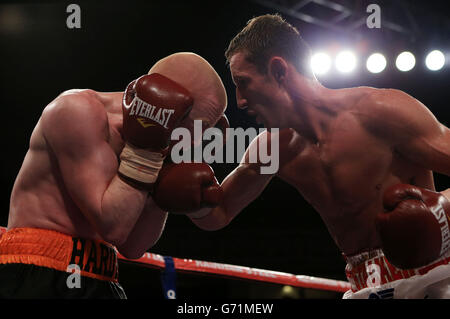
[(278, 69)]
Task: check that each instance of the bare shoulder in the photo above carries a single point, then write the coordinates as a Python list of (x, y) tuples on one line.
[(390, 112), (287, 143), (387, 104), (75, 120), (74, 103), (74, 109), (285, 138)]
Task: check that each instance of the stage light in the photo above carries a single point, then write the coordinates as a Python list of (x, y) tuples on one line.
[(320, 63), (346, 62), (376, 63), (435, 60), (405, 61)]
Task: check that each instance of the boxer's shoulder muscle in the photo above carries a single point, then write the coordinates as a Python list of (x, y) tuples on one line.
[(72, 114), (393, 115), (379, 103), (76, 103), (289, 145)]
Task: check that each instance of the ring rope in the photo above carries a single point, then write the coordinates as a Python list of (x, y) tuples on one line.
[(152, 260)]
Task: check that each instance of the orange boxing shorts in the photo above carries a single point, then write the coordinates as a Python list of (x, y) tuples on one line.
[(40, 263)]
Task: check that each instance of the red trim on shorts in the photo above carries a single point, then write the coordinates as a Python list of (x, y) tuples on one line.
[(358, 274)]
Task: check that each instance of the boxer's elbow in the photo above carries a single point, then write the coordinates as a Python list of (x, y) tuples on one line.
[(116, 236), (133, 250), (130, 253), (216, 220), (211, 226), (114, 239)]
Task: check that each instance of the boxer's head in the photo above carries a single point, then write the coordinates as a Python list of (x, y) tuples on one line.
[(270, 64), (195, 74)]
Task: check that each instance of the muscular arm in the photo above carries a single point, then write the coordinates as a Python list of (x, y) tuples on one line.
[(410, 129), (75, 127), (243, 185), (146, 232)]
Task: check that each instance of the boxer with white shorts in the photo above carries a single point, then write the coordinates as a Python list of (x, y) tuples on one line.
[(362, 157)]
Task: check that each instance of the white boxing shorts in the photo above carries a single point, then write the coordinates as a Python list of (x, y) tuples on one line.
[(372, 277)]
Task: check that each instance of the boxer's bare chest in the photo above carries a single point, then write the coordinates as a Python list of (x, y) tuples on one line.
[(344, 176), (346, 169)]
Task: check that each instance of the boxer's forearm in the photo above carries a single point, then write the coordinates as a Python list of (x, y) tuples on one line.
[(240, 188), (120, 209), (220, 216), (146, 231)]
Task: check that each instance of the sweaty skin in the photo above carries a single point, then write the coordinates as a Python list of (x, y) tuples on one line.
[(68, 180), (356, 143)]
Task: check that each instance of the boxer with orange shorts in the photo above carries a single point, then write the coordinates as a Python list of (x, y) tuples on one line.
[(83, 189), (362, 157)]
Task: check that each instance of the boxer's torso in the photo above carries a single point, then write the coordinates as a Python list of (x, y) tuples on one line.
[(344, 176), (39, 197)]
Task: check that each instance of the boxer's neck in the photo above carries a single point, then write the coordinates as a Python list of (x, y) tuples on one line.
[(316, 107)]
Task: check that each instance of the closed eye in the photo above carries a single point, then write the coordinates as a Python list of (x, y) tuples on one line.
[(241, 82)]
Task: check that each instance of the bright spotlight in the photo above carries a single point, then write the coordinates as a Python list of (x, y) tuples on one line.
[(435, 60), (346, 62), (320, 63), (405, 61), (376, 63)]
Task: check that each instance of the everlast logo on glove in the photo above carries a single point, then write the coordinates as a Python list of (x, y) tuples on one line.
[(439, 212), (152, 106), (146, 110), (414, 228)]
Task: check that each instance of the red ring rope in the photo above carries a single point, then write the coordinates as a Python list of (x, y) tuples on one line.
[(157, 261)]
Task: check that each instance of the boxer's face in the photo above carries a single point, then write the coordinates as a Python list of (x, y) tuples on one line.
[(258, 93)]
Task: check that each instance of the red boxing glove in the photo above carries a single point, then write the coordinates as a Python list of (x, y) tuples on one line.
[(152, 106), (414, 229), (186, 187)]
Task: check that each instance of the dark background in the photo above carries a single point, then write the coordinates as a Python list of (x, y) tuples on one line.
[(120, 40)]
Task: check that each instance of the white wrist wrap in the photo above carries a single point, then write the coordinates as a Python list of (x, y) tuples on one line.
[(139, 164)]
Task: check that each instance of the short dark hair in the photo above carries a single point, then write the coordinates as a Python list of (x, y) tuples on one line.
[(269, 35)]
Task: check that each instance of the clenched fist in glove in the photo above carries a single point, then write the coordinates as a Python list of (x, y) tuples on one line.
[(414, 229), (153, 106), (186, 187)]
